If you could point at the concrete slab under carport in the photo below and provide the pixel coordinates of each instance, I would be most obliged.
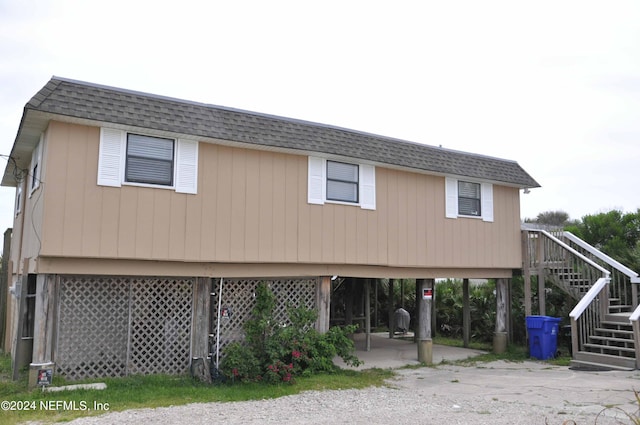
(391, 353)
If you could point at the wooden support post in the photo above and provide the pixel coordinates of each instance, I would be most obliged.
(391, 309)
(425, 343)
(201, 311)
(509, 311)
(527, 293)
(5, 278)
(44, 319)
(348, 300)
(575, 346)
(375, 302)
(433, 308)
(200, 329)
(10, 314)
(323, 301)
(541, 276)
(367, 313)
(542, 299)
(635, 326)
(500, 335)
(19, 344)
(416, 309)
(466, 313)
(526, 265)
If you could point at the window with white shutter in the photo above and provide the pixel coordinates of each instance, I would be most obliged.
(468, 199)
(137, 159)
(341, 182)
(149, 160)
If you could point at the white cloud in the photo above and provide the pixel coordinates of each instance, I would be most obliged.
(553, 85)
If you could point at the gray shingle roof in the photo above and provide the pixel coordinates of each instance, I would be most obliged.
(85, 101)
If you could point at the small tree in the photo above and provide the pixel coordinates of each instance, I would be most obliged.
(551, 218)
(615, 233)
(274, 352)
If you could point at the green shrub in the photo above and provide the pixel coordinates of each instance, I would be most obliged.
(273, 352)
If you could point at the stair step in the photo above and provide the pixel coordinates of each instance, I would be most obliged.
(618, 317)
(625, 363)
(615, 325)
(620, 309)
(593, 366)
(624, 333)
(610, 349)
(608, 340)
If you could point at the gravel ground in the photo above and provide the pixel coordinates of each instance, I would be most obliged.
(490, 393)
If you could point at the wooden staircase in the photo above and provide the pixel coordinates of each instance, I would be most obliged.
(604, 324)
(610, 347)
(572, 282)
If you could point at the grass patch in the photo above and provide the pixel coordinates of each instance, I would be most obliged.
(157, 391)
(456, 342)
(514, 353)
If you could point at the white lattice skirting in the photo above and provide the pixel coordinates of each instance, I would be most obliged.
(116, 326)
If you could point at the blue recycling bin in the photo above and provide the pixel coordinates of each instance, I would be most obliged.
(543, 336)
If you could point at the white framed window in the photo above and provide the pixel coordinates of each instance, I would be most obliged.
(341, 182)
(35, 168)
(469, 199)
(466, 198)
(149, 160)
(19, 198)
(137, 159)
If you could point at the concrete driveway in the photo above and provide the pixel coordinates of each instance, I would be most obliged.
(552, 391)
(393, 353)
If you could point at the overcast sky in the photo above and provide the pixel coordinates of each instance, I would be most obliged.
(553, 85)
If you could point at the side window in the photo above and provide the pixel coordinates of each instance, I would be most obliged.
(35, 169)
(19, 198)
(342, 182)
(149, 160)
(468, 199)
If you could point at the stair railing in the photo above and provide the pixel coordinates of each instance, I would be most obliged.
(623, 280)
(587, 315)
(635, 324)
(555, 256)
(624, 284)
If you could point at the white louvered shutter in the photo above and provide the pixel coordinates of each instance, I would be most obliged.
(487, 202)
(187, 167)
(316, 181)
(451, 197)
(368, 187)
(111, 157)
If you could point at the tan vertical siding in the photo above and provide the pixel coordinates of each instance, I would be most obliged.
(252, 206)
(293, 181)
(221, 156)
(178, 227)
